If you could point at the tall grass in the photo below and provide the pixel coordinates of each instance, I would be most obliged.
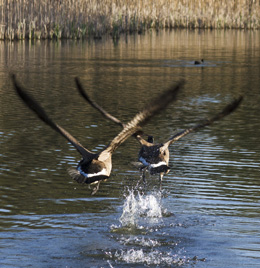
(21, 19)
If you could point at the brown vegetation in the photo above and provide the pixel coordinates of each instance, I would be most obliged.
(36, 19)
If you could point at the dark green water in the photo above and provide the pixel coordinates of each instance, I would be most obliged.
(208, 212)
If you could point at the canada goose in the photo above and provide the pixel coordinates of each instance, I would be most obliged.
(155, 157)
(95, 167)
(197, 62)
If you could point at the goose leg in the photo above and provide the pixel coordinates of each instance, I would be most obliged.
(143, 174)
(95, 189)
(161, 176)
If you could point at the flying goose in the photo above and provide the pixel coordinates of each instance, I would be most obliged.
(95, 167)
(155, 157)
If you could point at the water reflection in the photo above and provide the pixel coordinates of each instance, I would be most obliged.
(210, 200)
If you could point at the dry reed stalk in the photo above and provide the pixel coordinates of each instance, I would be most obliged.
(21, 19)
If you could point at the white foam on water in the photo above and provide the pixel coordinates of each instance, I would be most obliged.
(152, 257)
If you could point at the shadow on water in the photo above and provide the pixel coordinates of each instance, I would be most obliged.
(207, 212)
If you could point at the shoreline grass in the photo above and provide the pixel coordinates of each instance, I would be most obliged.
(76, 19)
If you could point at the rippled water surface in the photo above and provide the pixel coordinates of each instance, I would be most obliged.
(207, 211)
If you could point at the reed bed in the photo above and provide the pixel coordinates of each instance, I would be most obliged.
(34, 19)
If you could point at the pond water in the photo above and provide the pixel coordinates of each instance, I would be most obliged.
(207, 212)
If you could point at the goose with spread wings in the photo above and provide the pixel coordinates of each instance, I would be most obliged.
(95, 167)
(155, 157)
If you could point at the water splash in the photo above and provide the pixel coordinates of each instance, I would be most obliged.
(139, 208)
(140, 241)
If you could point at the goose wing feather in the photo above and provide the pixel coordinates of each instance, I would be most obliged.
(154, 107)
(228, 109)
(39, 111)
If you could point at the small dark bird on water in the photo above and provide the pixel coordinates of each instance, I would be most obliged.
(95, 167)
(197, 62)
(155, 157)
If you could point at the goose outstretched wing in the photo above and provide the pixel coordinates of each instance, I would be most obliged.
(39, 111)
(228, 109)
(95, 105)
